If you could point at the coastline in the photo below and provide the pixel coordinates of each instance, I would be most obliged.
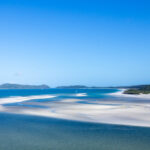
(120, 93)
(132, 114)
(110, 112)
(17, 99)
(125, 114)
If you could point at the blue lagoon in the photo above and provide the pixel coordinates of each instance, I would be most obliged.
(73, 119)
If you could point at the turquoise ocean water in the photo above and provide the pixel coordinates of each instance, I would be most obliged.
(25, 132)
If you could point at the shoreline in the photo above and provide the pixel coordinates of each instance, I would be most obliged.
(18, 99)
(134, 115)
(69, 109)
(121, 112)
(120, 93)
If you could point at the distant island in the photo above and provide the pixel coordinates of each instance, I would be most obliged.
(19, 86)
(140, 89)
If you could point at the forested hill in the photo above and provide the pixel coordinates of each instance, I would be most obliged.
(19, 86)
(140, 89)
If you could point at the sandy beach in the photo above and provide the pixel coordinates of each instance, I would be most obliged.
(124, 113)
(23, 98)
(121, 94)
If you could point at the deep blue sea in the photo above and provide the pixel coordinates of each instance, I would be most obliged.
(27, 132)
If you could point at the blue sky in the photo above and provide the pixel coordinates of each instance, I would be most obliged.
(67, 42)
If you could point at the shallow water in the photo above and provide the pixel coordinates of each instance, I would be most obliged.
(20, 132)
(86, 95)
(26, 132)
(62, 92)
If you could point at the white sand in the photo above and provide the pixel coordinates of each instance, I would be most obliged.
(81, 94)
(125, 113)
(23, 98)
(120, 93)
(70, 100)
